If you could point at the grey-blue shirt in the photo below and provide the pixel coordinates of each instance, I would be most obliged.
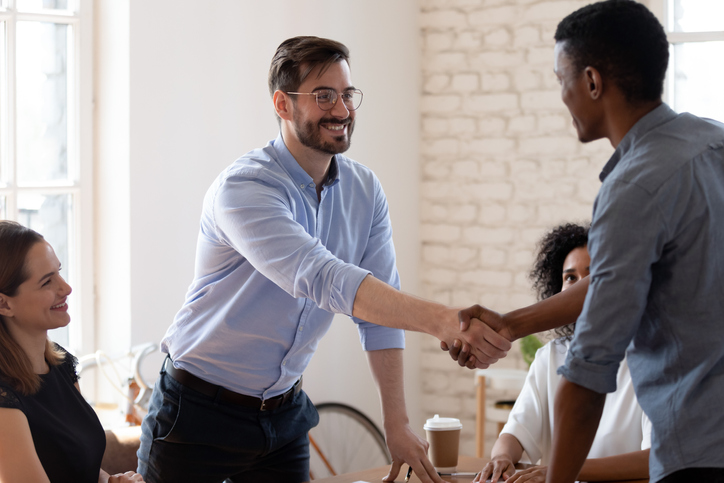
(657, 286)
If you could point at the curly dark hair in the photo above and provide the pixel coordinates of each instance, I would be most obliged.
(553, 249)
(624, 41)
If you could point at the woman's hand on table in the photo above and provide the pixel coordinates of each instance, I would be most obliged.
(499, 467)
(534, 474)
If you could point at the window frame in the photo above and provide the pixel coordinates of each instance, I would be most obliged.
(81, 333)
(663, 9)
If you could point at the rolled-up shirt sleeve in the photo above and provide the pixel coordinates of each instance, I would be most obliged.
(379, 259)
(626, 238)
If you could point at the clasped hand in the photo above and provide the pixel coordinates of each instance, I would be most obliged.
(484, 338)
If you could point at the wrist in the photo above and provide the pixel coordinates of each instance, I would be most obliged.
(502, 457)
(511, 322)
(446, 324)
(394, 424)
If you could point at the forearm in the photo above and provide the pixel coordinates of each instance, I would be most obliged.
(382, 304)
(561, 309)
(387, 371)
(507, 446)
(628, 466)
(577, 413)
(404, 445)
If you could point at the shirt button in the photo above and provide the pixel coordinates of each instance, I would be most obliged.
(311, 185)
(302, 185)
(284, 363)
(300, 329)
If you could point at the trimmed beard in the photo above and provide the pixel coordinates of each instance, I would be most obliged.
(310, 135)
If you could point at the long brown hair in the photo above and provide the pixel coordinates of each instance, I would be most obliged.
(15, 367)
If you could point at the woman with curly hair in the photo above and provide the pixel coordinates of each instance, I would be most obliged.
(551, 274)
(49, 433)
(621, 447)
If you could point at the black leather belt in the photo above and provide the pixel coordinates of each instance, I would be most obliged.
(212, 390)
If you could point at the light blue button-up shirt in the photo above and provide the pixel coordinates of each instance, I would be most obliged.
(657, 286)
(273, 264)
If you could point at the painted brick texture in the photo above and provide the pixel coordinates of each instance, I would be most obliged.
(500, 165)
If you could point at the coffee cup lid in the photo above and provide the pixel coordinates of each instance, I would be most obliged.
(437, 423)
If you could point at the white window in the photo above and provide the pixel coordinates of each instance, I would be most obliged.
(45, 137)
(695, 29)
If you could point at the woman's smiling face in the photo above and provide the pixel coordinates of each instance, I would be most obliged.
(40, 303)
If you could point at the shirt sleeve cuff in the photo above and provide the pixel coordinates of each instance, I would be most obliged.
(343, 295)
(376, 337)
(596, 377)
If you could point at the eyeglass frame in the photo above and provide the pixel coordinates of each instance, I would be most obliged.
(336, 97)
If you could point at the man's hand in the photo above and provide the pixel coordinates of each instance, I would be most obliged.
(408, 448)
(404, 445)
(496, 335)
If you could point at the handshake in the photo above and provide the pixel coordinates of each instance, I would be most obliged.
(482, 340)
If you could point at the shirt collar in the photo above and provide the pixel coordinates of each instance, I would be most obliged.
(660, 115)
(296, 171)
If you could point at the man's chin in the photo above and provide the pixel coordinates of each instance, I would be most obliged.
(340, 145)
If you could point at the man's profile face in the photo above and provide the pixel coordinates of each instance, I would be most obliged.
(330, 131)
(575, 93)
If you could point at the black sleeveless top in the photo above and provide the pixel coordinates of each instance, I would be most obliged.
(68, 436)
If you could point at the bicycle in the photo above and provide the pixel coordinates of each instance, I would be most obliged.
(132, 387)
(344, 441)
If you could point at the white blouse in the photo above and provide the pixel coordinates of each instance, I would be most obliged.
(623, 428)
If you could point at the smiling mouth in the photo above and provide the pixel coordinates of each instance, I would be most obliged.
(59, 306)
(334, 127)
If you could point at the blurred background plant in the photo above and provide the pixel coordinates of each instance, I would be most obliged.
(529, 345)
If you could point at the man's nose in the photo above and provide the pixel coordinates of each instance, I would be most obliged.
(339, 110)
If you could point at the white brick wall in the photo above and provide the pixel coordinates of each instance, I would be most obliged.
(500, 165)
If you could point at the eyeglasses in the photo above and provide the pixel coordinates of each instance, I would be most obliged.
(327, 98)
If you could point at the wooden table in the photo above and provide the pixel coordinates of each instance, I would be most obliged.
(375, 475)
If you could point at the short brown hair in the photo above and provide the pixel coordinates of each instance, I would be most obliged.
(15, 367)
(295, 58)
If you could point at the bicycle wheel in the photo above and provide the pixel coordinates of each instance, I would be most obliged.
(348, 441)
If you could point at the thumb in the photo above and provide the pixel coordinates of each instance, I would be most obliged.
(465, 315)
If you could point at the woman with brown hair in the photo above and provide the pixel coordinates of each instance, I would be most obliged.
(49, 432)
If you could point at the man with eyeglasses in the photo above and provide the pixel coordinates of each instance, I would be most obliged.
(290, 234)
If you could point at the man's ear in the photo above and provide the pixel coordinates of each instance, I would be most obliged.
(594, 81)
(282, 105)
(5, 308)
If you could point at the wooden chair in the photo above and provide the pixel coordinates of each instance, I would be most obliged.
(511, 380)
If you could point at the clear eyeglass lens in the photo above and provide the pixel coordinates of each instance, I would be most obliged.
(326, 98)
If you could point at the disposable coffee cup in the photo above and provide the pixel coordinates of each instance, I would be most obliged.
(443, 434)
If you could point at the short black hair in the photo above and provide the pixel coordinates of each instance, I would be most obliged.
(547, 273)
(624, 41)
